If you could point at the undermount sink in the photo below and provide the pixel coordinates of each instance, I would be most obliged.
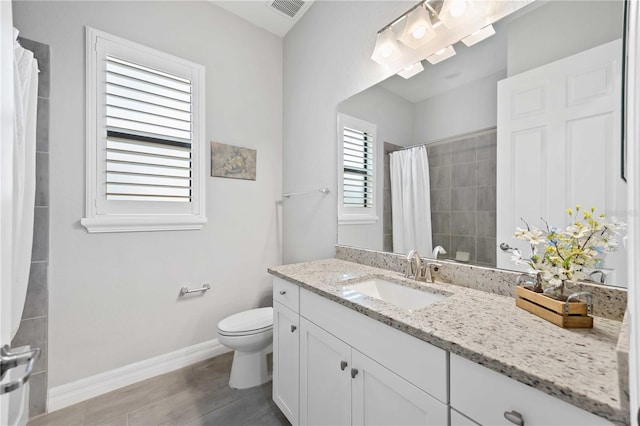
(390, 292)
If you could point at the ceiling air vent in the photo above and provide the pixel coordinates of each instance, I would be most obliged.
(288, 8)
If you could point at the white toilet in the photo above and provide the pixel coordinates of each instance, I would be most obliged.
(250, 335)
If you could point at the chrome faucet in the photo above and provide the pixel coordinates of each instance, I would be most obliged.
(438, 250)
(418, 269)
(603, 276)
(414, 265)
(428, 269)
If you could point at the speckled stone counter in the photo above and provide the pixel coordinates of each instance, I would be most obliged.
(577, 366)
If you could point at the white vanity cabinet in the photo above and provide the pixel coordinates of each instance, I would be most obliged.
(325, 381)
(484, 396)
(286, 344)
(340, 385)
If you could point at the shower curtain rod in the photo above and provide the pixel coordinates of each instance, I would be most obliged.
(450, 139)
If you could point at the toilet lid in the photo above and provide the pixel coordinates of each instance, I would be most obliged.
(248, 321)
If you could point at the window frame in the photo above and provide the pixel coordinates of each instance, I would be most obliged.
(356, 215)
(104, 215)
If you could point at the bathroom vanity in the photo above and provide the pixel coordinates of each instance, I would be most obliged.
(472, 357)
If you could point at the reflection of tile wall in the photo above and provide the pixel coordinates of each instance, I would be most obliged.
(33, 327)
(387, 227)
(463, 196)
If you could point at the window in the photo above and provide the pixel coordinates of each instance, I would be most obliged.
(145, 138)
(356, 180)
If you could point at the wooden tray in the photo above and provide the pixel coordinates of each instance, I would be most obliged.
(553, 310)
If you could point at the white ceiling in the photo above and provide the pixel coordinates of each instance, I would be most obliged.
(260, 14)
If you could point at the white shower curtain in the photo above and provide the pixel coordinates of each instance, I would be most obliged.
(25, 72)
(411, 201)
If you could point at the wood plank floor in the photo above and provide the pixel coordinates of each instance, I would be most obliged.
(195, 395)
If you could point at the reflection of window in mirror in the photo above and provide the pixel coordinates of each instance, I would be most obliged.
(357, 174)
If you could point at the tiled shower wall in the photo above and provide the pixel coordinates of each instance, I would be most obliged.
(463, 196)
(33, 327)
(387, 219)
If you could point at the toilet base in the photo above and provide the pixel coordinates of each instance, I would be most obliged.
(249, 369)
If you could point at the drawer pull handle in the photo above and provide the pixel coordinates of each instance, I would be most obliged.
(293, 328)
(343, 365)
(282, 292)
(354, 373)
(514, 417)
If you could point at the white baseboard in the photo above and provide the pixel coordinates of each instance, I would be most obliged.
(90, 387)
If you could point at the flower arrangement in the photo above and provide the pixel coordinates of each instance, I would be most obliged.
(558, 256)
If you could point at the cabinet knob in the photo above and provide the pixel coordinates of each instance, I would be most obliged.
(354, 373)
(282, 292)
(514, 417)
(343, 365)
(293, 328)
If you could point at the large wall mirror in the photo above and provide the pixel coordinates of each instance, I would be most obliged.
(523, 124)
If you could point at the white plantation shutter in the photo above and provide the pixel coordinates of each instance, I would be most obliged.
(357, 180)
(145, 130)
(148, 121)
(358, 162)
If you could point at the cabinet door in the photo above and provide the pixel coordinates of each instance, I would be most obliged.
(380, 397)
(458, 419)
(286, 361)
(325, 381)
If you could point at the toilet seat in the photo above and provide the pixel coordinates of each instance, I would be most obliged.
(249, 322)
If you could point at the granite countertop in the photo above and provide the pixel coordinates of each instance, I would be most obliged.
(577, 366)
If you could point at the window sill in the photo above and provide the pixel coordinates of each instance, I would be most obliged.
(346, 220)
(141, 223)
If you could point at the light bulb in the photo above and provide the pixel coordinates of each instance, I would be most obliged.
(419, 32)
(386, 51)
(457, 8)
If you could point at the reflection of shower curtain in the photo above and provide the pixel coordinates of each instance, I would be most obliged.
(25, 74)
(411, 201)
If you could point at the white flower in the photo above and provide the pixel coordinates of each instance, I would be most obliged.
(535, 237)
(577, 232)
(517, 257)
(554, 278)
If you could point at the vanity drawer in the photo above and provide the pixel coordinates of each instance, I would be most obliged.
(485, 395)
(286, 293)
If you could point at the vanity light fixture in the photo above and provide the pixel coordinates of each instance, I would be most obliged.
(454, 12)
(386, 49)
(418, 29)
(431, 24)
(479, 35)
(441, 55)
(411, 70)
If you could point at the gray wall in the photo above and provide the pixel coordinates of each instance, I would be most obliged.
(561, 28)
(387, 214)
(393, 117)
(463, 110)
(463, 196)
(33, 326)
(114, 297)
(326, 60)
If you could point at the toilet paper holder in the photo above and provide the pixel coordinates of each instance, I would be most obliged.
(186, 290)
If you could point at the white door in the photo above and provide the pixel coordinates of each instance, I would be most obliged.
(286, 361)
(559, 144)
(380, 397)
(325, 380)
(6, 182)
